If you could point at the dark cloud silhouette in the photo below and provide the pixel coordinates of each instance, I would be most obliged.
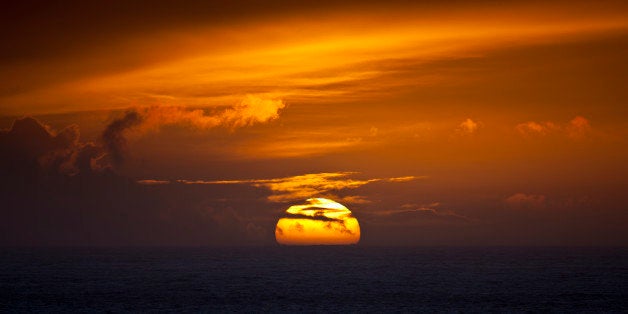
(56, 191)
(30, 149)
(339, 226)
(114, 139)
(316, 217)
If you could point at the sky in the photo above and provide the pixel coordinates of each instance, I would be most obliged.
(481, 123)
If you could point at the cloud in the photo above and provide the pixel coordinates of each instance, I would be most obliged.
(351, 199)
(52, 194)
(468, 127)
(402, 179)
(532, 128)
(229, 217)
(30, 147)
(251, 110)
(153, 182)
(327, 56)
(318, 217)
(296, 145)
(427, 211)
(576, 129)
(113, 137)
(373, 131)
(55, 191)
(308, 185)
(525, 201)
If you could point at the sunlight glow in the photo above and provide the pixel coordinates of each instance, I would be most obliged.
(318, 222)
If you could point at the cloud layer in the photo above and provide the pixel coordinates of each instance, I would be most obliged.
(305, 186)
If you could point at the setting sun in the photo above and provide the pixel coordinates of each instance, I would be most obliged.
(318, 222)
(216, 156)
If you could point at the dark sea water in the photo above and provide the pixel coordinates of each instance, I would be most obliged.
(314, 279)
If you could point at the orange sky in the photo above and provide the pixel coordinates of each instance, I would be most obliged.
(506, 119)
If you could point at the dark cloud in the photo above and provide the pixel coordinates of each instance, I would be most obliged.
(30, 149)
(114, 139)
(339, 226)
(319, 217)
(55, 191)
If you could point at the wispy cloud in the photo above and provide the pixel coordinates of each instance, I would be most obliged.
(468, 127)
(305, 186)
(429, 210)
(577, 128)
(532, 128)
(343, 55)
(525, 201)
(299, 146)
(352, 199)
(153, 182)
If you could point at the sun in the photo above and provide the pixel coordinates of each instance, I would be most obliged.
(319, 221)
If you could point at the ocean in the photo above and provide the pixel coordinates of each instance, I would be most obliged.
(314, 279)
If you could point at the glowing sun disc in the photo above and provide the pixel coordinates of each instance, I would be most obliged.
(319, 221)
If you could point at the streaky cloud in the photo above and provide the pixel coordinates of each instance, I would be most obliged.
(305, 186)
